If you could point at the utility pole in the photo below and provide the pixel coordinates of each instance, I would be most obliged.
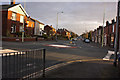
(103, 28)
(116, 36)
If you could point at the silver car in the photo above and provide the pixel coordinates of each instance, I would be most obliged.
(87, 41)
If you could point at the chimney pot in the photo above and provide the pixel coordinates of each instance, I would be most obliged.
(12, 2)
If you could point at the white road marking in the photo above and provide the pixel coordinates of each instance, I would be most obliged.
(109, 54)
(59, 45)
(5, 51)
(80, 47)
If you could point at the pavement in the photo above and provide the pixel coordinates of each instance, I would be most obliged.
(86, 69)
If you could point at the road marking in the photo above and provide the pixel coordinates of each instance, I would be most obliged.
(109, 54)
(60, 46)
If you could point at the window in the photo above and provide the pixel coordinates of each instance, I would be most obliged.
(31, 25)
(21, 19)
(27, 23)
(113, 28)
(21, 28)
(13, 16)
(13, 28)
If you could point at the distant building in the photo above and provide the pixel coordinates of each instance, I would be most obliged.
(39, 28)
(100, 34)
(64, 32)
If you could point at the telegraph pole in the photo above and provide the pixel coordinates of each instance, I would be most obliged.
(116, 36)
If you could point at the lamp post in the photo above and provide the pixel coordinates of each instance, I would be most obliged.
(23, 31)
(103, 28)
(57, 24)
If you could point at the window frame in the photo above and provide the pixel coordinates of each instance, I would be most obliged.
(21, 20)
(13, 28)
(14, 17)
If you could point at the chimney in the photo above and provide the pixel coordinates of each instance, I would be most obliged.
(107, 23)
(113, 21)
(12, 2)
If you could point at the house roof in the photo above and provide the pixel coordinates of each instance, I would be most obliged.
(6, 7)
(49, 26)
(37, 21)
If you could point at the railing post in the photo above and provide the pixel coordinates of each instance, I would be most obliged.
(43, 63)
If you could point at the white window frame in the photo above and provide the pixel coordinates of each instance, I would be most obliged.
(21, 19)
(13, 28)
(14, 16)
(113, 28)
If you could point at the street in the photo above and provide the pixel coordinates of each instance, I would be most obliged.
(55, 55)
(82, 51)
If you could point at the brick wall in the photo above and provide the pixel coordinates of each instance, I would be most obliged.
(4, 22)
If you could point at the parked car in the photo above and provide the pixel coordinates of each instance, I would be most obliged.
(75, 39)
(87, 41)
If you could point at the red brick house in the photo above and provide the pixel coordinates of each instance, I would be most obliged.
(112, 28)
(65, 33)
(29, 28)
(50, 31)
(100, 34)
(93, 36)
(13, 16)
(106, 32)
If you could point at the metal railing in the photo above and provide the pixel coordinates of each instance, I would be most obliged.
(23, 65)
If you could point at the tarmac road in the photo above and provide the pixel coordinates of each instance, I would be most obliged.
(56, 55)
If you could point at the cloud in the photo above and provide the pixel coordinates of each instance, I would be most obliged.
(89, 22)
(77, 16)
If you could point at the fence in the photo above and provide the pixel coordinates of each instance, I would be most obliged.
(23, 65)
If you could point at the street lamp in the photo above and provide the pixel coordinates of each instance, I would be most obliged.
(57, 24)
(23, 32)
(103, 28)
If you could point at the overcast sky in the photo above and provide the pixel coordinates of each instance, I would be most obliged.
(77, 17)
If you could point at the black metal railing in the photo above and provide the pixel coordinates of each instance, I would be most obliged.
(24, 64)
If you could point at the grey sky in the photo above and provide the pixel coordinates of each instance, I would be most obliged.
(77, 16)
